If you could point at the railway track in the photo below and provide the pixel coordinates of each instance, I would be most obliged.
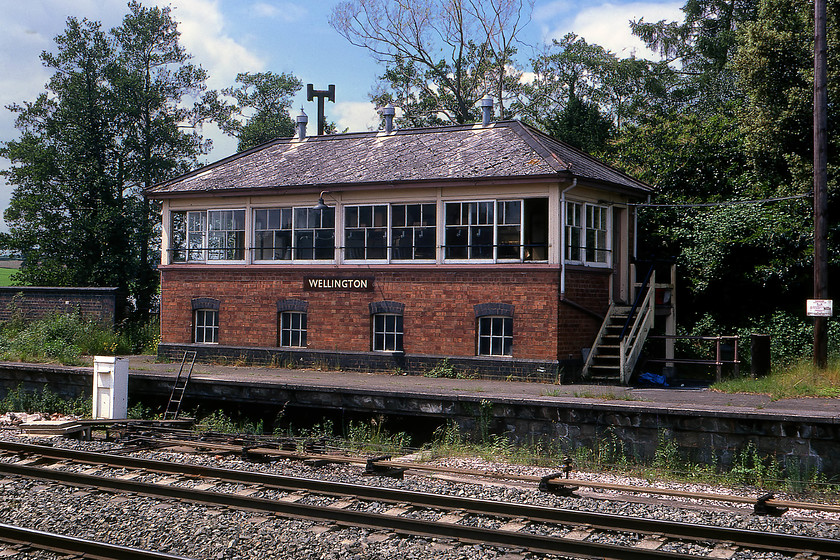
(511, 525)
(21, 539)
(560, 483)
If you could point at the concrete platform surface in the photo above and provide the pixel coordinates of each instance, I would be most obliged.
(679, 398)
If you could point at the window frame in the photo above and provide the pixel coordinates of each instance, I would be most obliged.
(300, 331)
(578, 223)
(505, 337)
(415, 231)
(203, 327)
(196, 241)
(366, 230)
(396, 334)
(294, 232)
(496, 223)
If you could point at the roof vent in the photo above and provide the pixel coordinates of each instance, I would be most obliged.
(486, 105)
(388, 112)
(301, 119)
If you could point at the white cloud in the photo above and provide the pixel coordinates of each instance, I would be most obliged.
(202, 28)
(355, 116)
(607, 24)
(286, 11)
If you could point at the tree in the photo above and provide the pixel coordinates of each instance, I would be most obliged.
(441, 56)
(153, 75)
(66, 171)
(267, 97)
(112, 123)
(591, 90)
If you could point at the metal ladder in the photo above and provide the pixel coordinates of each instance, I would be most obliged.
(174, 404)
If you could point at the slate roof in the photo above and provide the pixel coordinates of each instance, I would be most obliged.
(501, 150)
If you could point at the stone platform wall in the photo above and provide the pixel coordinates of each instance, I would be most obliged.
(801, 442)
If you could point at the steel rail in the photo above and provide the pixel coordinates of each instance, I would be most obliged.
(268, 452)
(64, 544)
(353, 518)
(540, 514)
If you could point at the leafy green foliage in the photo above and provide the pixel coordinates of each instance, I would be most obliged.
(45, 402)
(220, 422)
(112, 122)
(266, 97)
(71, 339)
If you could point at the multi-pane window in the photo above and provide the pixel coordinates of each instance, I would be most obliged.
(495, 336)
(413, 231)
(586, 233)
(282, 234)
(366, 232)
(273, 234)
(387, 332)
(206, 326)
(574, 245)
(596, 234)
(216, 235)
(293, 328)
(509, 230)
(226, 235)
(469, 230)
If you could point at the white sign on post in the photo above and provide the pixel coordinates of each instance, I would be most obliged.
(820, 307)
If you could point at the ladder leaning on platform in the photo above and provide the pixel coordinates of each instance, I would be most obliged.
(173, 407)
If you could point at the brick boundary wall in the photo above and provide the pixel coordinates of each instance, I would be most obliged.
(37, 302)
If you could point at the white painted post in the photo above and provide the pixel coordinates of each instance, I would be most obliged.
(110, 387)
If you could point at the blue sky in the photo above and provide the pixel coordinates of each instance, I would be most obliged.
(231, 36)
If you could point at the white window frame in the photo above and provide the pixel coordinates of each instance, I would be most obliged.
(196, 241)
(493, 322)
(414, 229)
(387, 227)
(495, 224)
(300, 331)
(579, 216)
(201, 326)
(395, 335)
(295, 229)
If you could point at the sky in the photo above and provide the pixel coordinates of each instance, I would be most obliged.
(294, 36)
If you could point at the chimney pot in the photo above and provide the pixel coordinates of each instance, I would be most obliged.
(301, 119)
(388, 112)
(486, 105)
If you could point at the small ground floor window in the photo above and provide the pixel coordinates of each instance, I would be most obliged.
(293, 328)
(206, 326)
(387, 332)
(495, 336)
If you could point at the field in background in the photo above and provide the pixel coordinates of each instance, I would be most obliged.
(6, 276)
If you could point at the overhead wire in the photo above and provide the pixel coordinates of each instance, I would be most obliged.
(719, 204)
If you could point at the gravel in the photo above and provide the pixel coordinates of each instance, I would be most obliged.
(213, 533)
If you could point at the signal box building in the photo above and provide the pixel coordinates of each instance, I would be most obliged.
(491, 246)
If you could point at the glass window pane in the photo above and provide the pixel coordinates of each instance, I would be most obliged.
(398, 215)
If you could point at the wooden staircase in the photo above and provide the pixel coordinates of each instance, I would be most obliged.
(619, 343)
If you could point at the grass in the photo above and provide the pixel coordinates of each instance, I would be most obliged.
(7, 276)
(798, 380)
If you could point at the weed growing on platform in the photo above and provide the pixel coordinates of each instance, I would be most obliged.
(800, 379)
(45, 402)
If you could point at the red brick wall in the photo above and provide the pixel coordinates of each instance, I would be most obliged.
(439, 318)
(588, 288)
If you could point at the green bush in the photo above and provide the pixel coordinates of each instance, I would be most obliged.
(66, 338)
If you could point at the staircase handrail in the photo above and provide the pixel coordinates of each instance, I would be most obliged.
(637, 335)
(594, 349)
(639, 295)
